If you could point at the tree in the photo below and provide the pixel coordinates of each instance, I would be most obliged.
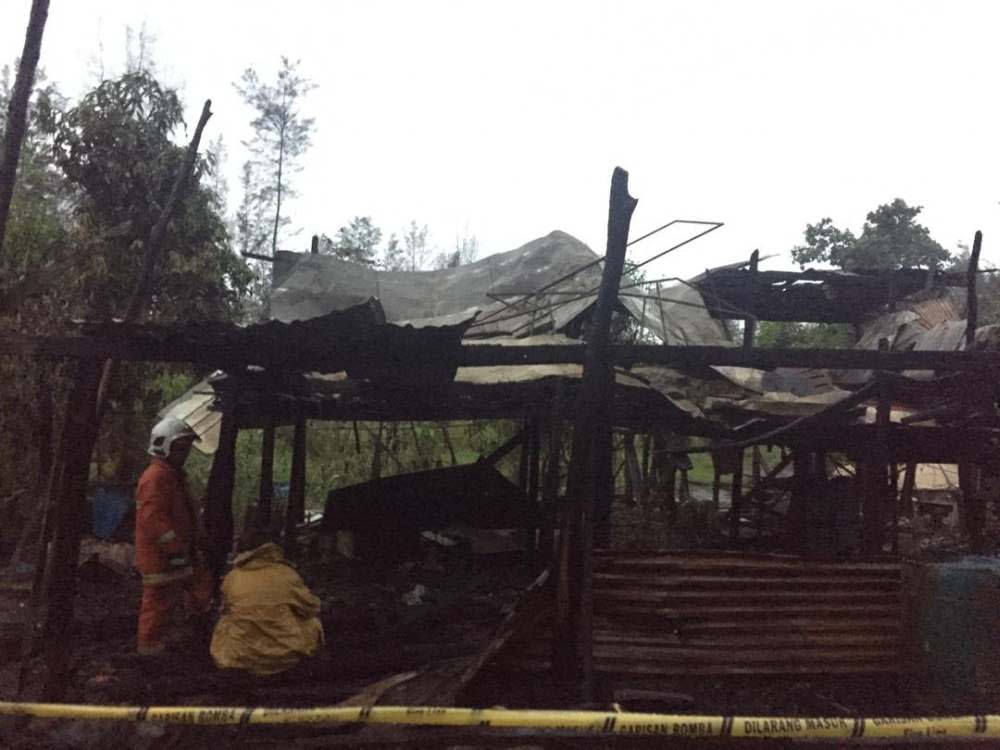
(415, 248)
(391, 258)
(281, 135)
(15, 122)
(773, 334)
(465, 252)
(358, 241)
(114, 149)
(890, 238)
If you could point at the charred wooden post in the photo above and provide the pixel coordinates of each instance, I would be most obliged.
(798, 509)
(219, 494)
(716, 486)
(68, 507)
(265, 496)
(523, 462)
(750, 324)
(633, 475)
(535, 465)
(736, 500)
(376, 472)
(524, 479)
(894, 495)
(666, 473)
(973, 510)
(875, 477)
(906, 493)
(602, 462)
(574, 625)
(553, 479)
(972, 301)
(295, 512)
(644, 466)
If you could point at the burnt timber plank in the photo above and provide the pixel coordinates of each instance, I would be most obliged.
(491, 355)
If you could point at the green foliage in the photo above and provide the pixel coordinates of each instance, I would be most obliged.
(92, 182)
(336, 456)
(781, 335)
(415, 249)
(466, 251)
(891, 238)
(281, 135)
(358, 241)
(115, 151)
(987, 286)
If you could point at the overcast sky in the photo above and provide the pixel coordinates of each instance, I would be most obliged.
(505, 119)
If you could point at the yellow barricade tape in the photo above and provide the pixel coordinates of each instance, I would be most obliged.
(586, 722)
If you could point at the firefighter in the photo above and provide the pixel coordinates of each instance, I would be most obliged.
(166, 538)
(270, 619)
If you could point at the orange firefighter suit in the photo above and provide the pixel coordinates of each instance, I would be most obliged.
(270, 619)
(166, 552)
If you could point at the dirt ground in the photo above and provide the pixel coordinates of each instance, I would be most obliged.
(380, 619)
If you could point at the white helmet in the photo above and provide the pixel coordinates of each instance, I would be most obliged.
(165, 432)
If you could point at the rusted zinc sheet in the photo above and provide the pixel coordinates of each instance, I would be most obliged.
(733, 614)
(357, 340)
(544, 286)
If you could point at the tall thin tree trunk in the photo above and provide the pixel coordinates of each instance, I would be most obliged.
(277, 201)
(17, 110)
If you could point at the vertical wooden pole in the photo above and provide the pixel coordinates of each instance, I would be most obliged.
(736, 500)
(602, 461)
(750, 324)
(553, 478)
(376, 472)
(574, 633)
(534, 458)
(798, 509)
(876, 479)
(972, 301)
(295, 512)
(265, 497)
(523, 482)
(906, 494)
(644, 467)
(972, 505)
(634, 473)
(219, 493)
(524, 458)
(68, 505)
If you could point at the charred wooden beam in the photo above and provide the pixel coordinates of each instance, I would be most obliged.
(736, 500)
(972, 301)
(506, 448)
(750, 324)
(148, 349)
(591, 425)
(68, 505)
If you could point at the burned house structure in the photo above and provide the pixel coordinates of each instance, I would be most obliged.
(527, 335)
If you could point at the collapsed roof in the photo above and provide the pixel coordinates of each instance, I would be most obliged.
(545, 286)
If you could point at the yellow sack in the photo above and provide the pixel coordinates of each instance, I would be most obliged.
(269, 616)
